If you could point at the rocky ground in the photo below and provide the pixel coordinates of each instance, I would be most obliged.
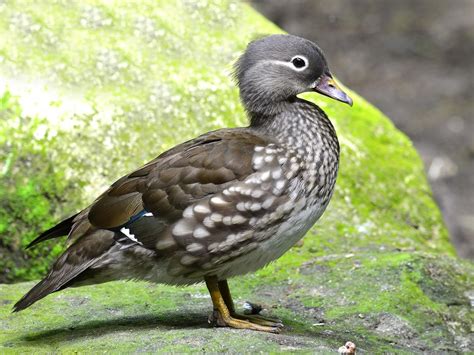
(417, 307)
(413, 60)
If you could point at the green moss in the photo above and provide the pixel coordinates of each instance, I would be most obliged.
(30, 189)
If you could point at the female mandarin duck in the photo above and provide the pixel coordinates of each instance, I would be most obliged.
(223, 204)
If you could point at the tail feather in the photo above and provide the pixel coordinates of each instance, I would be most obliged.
(53, 282)
(35, 294)
(58, 230)
(79, 257)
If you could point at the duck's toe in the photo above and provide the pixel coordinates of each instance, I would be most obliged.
(238, 321)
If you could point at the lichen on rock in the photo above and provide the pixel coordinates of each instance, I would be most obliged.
(91, 90)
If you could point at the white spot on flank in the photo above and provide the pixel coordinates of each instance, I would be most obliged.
(188, 259)
(188, 212)
(238, 219)
(255, 207)
(257, 194)
(265, 175)
(269, 158)
(258, 161)
(193, 247)
(231, 238)
(246, 191)
(216, 217)
(201, 209)
(183, 227)
(148, 214)
(201, 232)
(276, 174)
(213, 246)
(208, 222)
(280, 184)
(218, 200)
(244, 236)
(253, 179)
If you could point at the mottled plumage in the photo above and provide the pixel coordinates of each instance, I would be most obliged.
(223, 204)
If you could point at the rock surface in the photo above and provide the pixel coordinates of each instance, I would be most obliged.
(92, 90)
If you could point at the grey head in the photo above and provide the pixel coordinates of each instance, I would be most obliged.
(275, 69)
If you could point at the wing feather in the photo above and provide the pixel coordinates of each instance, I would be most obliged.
(177, 178)
(168, 184)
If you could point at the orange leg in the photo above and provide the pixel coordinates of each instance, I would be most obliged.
(224, 314)
(225, 292)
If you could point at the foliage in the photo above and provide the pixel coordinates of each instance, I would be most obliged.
(30, 191)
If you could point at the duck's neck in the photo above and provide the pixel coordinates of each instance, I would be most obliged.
(259, 102)
(299, 123)
(262, 115)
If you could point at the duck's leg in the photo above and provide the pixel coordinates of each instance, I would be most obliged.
(254, 318)
(222, 315)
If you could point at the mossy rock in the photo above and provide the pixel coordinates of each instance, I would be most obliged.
(93, 89)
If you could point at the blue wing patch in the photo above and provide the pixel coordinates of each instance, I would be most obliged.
(136, 217)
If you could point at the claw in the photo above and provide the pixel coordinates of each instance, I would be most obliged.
(225, 316)
(258, 319)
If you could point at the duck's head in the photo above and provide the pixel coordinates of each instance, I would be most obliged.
(277, 68)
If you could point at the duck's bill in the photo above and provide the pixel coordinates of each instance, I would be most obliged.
(328, 87)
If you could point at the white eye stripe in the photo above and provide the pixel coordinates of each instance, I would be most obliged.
(290, 64)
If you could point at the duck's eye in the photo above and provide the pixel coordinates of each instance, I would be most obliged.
(298, 62)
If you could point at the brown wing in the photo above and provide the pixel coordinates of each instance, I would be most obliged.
(177, 178)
